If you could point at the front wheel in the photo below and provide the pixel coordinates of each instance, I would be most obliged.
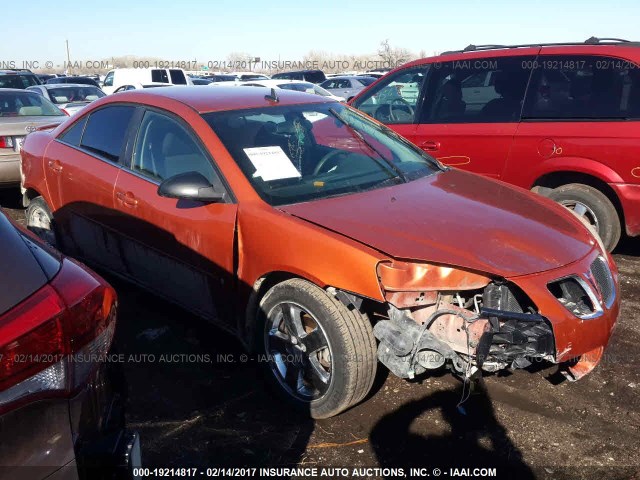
(318, 354)
(40, 220)
(594, 208)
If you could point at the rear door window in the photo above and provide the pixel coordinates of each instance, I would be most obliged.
(105, 132)
(574, 87)
(178, 77)
(159, 75)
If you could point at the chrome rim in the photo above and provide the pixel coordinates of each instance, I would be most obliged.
(583, 211)
(298, 351)
(39, 222)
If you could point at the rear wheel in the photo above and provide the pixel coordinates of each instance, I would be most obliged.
(40, 220)
(594, 208)
(319, 355)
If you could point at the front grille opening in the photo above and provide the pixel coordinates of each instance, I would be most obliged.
(602, 275)
(573, 296)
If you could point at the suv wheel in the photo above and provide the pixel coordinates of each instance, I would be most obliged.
(319, 355)
(40, 220)
(592, 206)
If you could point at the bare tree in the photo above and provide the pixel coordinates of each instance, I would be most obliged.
(393, 56)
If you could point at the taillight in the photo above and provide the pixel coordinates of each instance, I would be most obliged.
(52, 342)
(6, 142)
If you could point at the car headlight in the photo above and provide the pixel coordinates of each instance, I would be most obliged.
(398, 276)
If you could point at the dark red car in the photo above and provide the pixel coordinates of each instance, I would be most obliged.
(60, 414)
(562, 120)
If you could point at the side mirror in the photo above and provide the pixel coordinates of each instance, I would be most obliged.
(190, 186)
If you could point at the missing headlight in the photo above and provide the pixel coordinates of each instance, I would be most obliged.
(576, 296)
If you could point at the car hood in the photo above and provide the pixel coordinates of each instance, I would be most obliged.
(17, 126)
(457, 218)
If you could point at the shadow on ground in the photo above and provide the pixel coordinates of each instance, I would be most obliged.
(194, 397)
(473, 437)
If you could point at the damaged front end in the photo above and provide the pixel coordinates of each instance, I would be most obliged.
(441, 316)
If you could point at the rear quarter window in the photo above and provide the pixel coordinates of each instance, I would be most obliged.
(73, 135)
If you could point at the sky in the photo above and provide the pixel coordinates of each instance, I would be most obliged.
(209, 30)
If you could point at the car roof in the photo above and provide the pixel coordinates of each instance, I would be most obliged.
(591, 46)
(299, 71)
(20, 90)
(15, 72)
(273, 82)
(222, 98)
(65, 85)
(347, 77)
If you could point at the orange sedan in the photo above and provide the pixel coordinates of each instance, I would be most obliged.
(309, 231)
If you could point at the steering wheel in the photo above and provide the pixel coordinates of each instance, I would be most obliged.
(324, 160)
(403, 103)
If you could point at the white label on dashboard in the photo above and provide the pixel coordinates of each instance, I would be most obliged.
(271, 163)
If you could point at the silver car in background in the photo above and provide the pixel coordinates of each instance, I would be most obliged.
(347, 86)
(69, 97)
(21, 112)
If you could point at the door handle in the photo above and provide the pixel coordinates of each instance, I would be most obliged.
(55, 165)
(430, 146)
(128, 199)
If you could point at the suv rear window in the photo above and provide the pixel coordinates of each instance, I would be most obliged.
(314, 76)
(17, 80)
(583, 87)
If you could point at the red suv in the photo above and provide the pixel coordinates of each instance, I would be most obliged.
(559, 119)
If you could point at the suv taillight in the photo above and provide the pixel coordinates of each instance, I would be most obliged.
(53, 341)
(6, 142)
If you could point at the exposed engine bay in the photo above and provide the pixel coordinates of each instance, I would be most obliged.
(483, 329)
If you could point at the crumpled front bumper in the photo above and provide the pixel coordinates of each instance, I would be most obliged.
(579, 342)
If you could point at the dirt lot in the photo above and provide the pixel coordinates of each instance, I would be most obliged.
(198, 402)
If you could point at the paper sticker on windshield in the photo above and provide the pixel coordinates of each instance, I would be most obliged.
(271, 163)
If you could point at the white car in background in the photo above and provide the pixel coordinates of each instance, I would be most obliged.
(297, 85)
(69, 97)
(144, 76)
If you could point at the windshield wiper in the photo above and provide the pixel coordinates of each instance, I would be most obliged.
(385, 163)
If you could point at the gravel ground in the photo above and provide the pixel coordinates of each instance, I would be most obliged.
(197, 402)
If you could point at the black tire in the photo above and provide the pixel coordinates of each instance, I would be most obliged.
(351, 346)
(40, 220)
(601, 213)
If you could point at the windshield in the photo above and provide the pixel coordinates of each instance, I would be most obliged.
(296, 153)
(62, 95)
(23, 104)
